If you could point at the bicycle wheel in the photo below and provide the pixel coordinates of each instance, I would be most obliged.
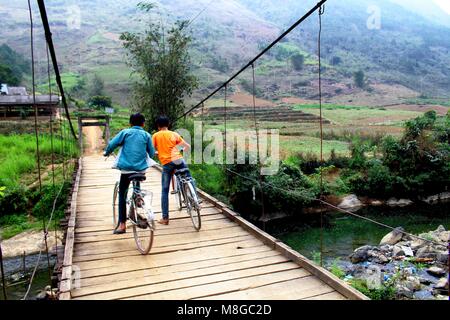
(115, 205)
(143, 231)
(192, 205)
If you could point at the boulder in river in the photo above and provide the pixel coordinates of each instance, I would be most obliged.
(442, 284)
(393, 202)
(393, 237)
(361, 254)
(438, 198)
(351, 203)
(436, 271)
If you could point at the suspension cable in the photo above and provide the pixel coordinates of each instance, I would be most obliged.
(319, 45)
(51, 117)
(283, 35)
(258, 156)
(33, 80)
(2, 271)
(48, 36)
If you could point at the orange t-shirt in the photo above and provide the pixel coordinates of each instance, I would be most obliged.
(165, 142)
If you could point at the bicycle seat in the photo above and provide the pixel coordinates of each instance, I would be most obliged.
(138, 177)
(181, 171)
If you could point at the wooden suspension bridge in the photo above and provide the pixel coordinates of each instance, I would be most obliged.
(228, 259)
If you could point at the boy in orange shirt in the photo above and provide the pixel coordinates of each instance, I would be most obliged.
(166, 143)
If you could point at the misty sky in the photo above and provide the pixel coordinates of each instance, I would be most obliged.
(444, 4)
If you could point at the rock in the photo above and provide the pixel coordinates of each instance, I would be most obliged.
(423, 295)
(442, 257)
(361, 254)
(351, 203)
(407, 251)
(442, 284)
(444, 236)
(403, 292)
(386, 248)
(376, 203)
(426, 252)
(42, 295)
(440, 229)
(398, 251)
(28, 241)
(436, 271)
(393, 202)
(417, 244)
(438, 198)
(392, 237)
(412, 283)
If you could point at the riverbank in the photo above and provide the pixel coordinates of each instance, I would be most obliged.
(343, 234)
(401, 267)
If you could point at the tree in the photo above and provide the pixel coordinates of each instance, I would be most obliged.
(360, 79)
(298, 60)
(97, 86)
(100, 102)
(7, 76)
(162, 62)
(12, 66)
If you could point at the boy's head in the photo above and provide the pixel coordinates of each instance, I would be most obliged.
(162, 122)
(137, 120)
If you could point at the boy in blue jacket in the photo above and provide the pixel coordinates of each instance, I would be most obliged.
(136, 143)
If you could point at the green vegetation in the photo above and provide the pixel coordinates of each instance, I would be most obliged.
(18, 156)
(360, 79)
(386, 292)
(22, 204)
(417, 165)
(298, 60)
(360, 116)
(162, 63)
(13, 66)
(100, 102)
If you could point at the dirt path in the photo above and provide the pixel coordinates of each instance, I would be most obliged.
(94, 143)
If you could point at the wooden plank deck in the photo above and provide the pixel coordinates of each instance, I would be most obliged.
(228, 259)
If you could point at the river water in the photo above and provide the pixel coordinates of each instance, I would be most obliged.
(342, 233)
(17, 277)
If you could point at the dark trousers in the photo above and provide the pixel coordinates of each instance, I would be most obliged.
(123, 192)
(168, 171)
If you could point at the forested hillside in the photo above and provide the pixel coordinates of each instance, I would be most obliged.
(406, 57)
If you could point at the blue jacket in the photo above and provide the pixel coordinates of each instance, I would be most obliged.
(136, 143)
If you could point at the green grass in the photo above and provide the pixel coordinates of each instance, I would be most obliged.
(97, 38)
(18, 156)
(13, 225)
(355, 115)
(429, 101)
(114, 73)
(305, 144)
(68, 79)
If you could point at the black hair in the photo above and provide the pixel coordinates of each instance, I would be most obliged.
(162, 122)
(137, 120)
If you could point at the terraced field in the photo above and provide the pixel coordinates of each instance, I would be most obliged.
(280, 113)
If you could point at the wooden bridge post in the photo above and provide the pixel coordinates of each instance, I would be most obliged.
(80, 134)
(107, 131)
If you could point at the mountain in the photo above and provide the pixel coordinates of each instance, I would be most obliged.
(406, 56)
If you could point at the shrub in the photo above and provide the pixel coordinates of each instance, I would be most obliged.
(359, 78)
(44, 201)
(298, 61)
(14, 201)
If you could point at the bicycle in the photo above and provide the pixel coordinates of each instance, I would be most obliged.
(187, 197)
(139, 213)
